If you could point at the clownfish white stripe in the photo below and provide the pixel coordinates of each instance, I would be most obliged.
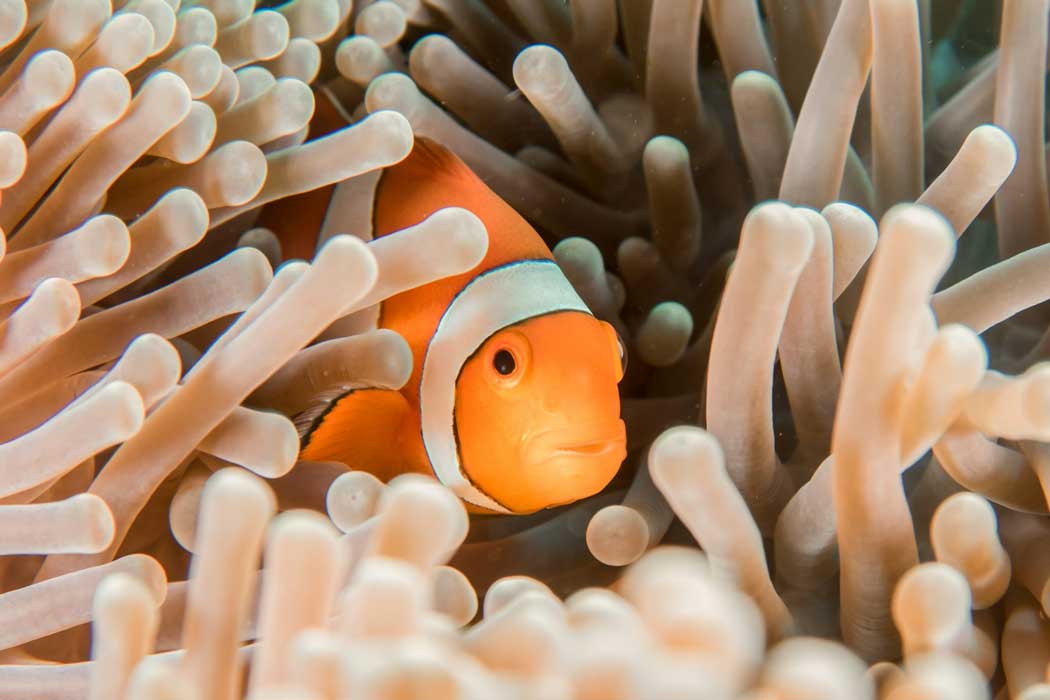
(495, 299)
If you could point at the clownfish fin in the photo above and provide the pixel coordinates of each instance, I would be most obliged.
(360, 428)
(430, 159)
(320, 404)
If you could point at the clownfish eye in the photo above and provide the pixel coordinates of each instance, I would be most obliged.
(503, 362)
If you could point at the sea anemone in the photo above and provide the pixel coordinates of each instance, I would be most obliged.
(838, 406)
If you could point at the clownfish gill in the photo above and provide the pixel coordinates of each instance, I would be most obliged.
(512, 401)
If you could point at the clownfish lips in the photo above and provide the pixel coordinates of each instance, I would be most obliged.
(589, 442)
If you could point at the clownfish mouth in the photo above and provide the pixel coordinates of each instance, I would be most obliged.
(577, 442)
(594, 448)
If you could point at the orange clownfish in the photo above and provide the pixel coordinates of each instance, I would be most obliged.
(512, 402)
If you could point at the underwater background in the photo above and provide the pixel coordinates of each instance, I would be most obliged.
(821, 230)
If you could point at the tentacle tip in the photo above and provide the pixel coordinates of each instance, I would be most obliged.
(617, 535)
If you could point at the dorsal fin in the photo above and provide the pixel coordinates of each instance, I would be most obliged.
(432, 160)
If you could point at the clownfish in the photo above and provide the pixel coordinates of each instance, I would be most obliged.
(512, 402)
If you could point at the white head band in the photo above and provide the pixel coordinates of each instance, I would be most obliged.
(492, 301)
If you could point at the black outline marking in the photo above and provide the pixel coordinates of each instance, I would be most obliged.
(430, 341)
(426, 355)
(372, 214)
(455, 423)
(304, 441)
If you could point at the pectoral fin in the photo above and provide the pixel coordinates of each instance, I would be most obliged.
(361, 428)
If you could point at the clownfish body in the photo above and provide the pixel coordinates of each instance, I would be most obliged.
(512, 401)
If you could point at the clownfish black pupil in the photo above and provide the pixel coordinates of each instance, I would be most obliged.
(504, 363)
